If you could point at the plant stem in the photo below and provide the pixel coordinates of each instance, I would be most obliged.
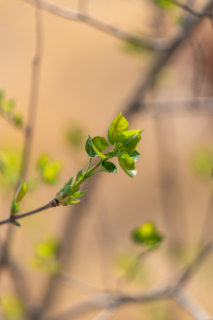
(51, 204)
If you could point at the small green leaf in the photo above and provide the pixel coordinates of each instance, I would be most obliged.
(68, 190)
(130, 139)
(108, 166)
(47, 249)
(134, 155)
(18, 120)
(89, 149)
(118, 125)
(16, 223)
(70, 181)
(164, 4)
(20, 193)
(51, 171)
(99, 144)
(8, 106)
(147, 235)
(14, 207)
(70, 200)
(79, 175)
(78, 194)
(63, 187)
(43, 160)
(127, 163)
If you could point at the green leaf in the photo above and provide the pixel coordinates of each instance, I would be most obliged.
(89, 149)
(8, 106)
(51, 171)
(202, 162)
(99, 144)
(47, 249)
(16, 223)
(134, 155)
(14, 207)
(118, 125)
(164, 4)
(147, 235)
(20, 193)
(70, 181)
(108, 166)
(130, 139)
(18, 120)
(68, 190)
(79, 175)
(127, 163)
(42, 161)
(70, 200)
(78, 194)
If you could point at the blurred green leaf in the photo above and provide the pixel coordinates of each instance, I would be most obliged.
(147, 235)
(20, 193)
(16, 223)
(127, 163)
(12, 308)
(99, 144)
(164, 4)
(108, 166)
(117, 126)
(202, 162)
(18, 119)
(74, 135)
(78, 194)
(14, 207)
(89, 148)
(49, 169)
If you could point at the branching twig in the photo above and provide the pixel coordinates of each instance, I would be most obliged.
(152, 44)
(192, 11)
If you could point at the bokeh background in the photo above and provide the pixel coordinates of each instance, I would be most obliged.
(87, 78)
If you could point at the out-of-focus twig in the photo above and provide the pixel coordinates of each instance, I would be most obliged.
(190, 305)
(192, 11)
(149, 43)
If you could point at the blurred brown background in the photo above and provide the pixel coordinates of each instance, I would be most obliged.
(87, 77)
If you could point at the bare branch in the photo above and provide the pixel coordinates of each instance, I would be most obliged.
(191, 11)
(64, 12)
(11, 219)
(190, 305)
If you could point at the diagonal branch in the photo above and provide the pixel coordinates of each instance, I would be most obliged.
(190, 305)
(67, 13)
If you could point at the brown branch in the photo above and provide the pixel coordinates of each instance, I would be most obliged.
(190, 305)
(11, 219)
(64, 12)
(191, 11)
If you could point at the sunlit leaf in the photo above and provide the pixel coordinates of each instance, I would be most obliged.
(20, 193)
(127, 163)
(130, 139)
(99, 144)
(118, 125)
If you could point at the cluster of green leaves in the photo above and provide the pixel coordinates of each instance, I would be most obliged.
(7, 110)
(147, 235)
(49, 169)
(46, 257)
(15, 206)
(125, 142)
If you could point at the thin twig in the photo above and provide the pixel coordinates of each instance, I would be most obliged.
(191, 11)
(11, 219)
(67, 13)
(190, 305)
